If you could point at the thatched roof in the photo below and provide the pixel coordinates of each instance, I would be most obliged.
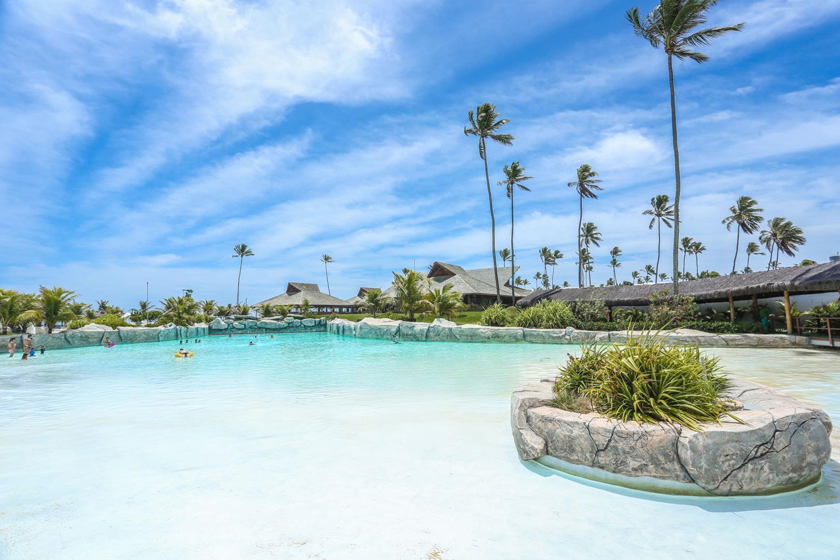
(478, 281)
(799, 279)
(296, 292)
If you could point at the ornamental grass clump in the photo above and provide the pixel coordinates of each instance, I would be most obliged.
(546, 314)
(645, 380)
(495, 316)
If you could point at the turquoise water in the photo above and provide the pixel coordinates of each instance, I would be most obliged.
(317, 446)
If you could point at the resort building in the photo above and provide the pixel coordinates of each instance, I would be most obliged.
(476, 286)
(298, 292)
(359, 298)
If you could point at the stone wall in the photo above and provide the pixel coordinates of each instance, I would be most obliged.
(94, 335)
(261, 326)
(779, 444)
(442, 330)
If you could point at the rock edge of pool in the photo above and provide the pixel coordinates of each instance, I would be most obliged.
(780, 445)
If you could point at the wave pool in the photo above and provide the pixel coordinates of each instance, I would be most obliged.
(318, 446)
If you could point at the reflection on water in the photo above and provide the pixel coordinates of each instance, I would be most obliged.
(314, 446)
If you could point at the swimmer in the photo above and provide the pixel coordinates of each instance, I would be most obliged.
(183, 353)
(12, 347)
(251, 343)
(27, 344)
(107, 342)
(43, 349)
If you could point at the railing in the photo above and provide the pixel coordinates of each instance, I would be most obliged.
(820, 329)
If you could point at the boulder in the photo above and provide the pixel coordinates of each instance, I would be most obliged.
(308, 322)
(131, 335)
(238, 325)
(289, 320)
(546, 336)
(377, 328)
(93, 327)
(270, 325)
(477, 333)
(251, 324)
(414, 331)
(218, 325)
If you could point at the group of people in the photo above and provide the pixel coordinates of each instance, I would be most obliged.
(28, 348)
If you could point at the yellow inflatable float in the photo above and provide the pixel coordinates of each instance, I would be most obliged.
(178, 355)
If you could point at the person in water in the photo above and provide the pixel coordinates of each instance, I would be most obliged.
(27, 344)
(107, 342)
(251, 343)
(183, 353)
(12, 347)
(43, 349)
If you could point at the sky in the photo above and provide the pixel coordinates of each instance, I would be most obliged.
(141, 140)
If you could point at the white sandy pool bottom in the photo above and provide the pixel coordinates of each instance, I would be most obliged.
(311, 446)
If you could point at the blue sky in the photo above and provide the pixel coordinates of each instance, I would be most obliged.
(142, 140)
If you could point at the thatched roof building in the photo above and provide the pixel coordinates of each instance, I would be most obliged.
(784, 282)
(477, 286)
(771, 283)
(296, 292)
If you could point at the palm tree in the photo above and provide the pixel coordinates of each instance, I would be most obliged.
(375, 301)
(224, 310)
(784, 235)
(410, 293)
(697, 248)
(102, 306)
(505, 254)
(662, 212)
(514, 178)
(585, 261)
(745, 216)
(672, 24)
(53, 306)
(266, 310)
(635, 276)
(485, 123)
(143, 308)
(663, 276)
(556, 255)
(16, 309)
(650, 271)
(590, 235)
(686, 243)
(615, 252)
(444, 302)
(242, 250)
(753, 248)
(208, 307)
(546, 257)
(326, 259)
(180, 310)
(585, 185)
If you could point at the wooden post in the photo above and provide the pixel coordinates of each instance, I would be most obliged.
(755, 308)
(828, 327)
(731, 310)
(788, 319)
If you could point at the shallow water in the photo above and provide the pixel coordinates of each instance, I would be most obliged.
(316, 446)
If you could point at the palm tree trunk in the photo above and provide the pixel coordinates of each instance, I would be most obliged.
(512, 251)
(615, 280)
(580, 259)
(697, 264)
(658, 247)
(493, 225)
(737, 243)
(770, 262)
(239, 279)
(676, 173)
(327, 274)
(685, 254)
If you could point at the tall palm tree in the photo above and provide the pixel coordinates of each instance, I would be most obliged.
(673, 25)
(241, 251)
(514, 178)
(556, 255)
(485, 123)
(745, 217)
(662, 212)
(635, 276)
(505, 254)
(785, 236)
(686, 243)
(545, 257)
(326, 259)
(697, 248)
(586, 184)
(650, 271)
(585, 261)
(590, 235)
(615, 252)
(753, 248)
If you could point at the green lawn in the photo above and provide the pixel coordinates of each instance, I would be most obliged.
(464, 317)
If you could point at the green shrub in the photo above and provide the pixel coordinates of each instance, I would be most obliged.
(546, 314)
(667, 310)
(495, 316)
(78, 324)
(631, 315)
(645, 380)
(589, 310)
(111, 320)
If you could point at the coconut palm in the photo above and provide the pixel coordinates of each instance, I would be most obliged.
(590, 235)
(53, 306)
(585, 261)
(326, 259)
(784, 236)
(375, 301)
(662, 212)
(697, 248)
(514, 179)
(673, 25)
(224, 310)
(410, 293)
(745, 217)
(686, 243)
(208, 307)
(753, 248)
(265, 310)
(142, 310)
(16, 309)
(585, 185)
(102, 306)
(807, 262)
(635, 276)
(241, 251)
(444, 302)
(546, 256)
(505, 254)
(180, 310)
(556, 255)
(650, 272)
(615, 252)
(485, 123)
